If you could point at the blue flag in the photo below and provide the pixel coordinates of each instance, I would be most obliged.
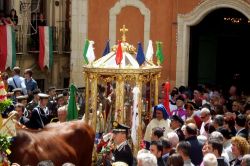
(107, 49)
(140, 57)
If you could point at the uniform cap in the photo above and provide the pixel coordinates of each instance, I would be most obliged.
(22, 97)
(120, 127)
(17, 90)
(59, 96)
(43, 95)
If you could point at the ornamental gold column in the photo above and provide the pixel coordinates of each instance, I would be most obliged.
(93, 78)
(139, 79)
(150, 96)
(86, 98)
(156, 88)
(119, 105)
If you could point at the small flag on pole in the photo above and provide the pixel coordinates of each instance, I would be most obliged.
(85, 49)
(150, 51)
(159, 53)
(107, 49)
(118, 57)
(72, 108)
(140, 57)
(90, 53)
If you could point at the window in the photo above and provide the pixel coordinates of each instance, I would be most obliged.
(40, 84)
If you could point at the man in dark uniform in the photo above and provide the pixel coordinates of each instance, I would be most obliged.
(33, 103)
(16, 92)
(52, 104)
(23, 100)
(122, 152)
(40, 114)
(60, 101)
(19, 108)
(176, 124)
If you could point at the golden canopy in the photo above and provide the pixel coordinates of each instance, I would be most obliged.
(105, 70)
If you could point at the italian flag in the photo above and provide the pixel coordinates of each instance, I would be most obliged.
(7, 47)
(45, 47)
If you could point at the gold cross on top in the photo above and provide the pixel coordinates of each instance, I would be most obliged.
(123, 30)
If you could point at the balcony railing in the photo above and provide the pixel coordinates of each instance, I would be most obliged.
(33, 41)
(30, 42)
(65, 32)
(19, 39)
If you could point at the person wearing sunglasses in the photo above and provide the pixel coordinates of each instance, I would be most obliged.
(205, 116)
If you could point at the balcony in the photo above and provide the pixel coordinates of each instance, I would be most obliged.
(29, 42)
(33, 42)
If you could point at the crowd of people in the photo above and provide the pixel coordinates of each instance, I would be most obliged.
(204, 126)
(35, 108)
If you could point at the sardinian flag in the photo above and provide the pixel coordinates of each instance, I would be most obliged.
(45, 47)
(7, 47)
(135, 120)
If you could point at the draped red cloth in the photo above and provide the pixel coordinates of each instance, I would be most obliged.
(166, 99)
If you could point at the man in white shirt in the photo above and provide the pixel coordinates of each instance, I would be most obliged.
(17, 81)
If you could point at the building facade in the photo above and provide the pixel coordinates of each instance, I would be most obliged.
(57, 15)
(168, 21)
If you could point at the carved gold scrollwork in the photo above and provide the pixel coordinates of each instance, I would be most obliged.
(87, 97)
(107, 78)
(93, 78)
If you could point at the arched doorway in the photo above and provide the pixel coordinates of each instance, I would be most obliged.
(186, 21)
(219, 48)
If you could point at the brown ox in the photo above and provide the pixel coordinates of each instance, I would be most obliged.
(59, 142)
